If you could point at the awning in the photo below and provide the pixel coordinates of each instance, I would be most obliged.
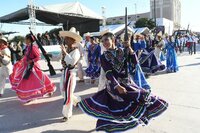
(69, 14)
(143, 30)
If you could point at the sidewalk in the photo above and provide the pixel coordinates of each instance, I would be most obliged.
(180, 89)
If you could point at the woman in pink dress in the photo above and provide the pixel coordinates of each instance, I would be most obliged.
(27, 79)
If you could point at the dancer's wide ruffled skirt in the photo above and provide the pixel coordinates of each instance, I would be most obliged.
(116, 112)
(150, 63)
(93, 71)
(36, 86)
(138, 77)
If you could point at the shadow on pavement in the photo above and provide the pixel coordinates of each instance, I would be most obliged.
(83, 86)
(18, 117)
(158, 73)
(195, 64)
(15, 116)
(69, 131)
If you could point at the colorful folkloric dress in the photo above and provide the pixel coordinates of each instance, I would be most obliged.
(135, 70)
(137, 74)
(148, 60)
(120, 112)
(171, 57)
(162, 56)
(68, 81)
(94, 53)
(85, 49)
(138, 46)
(38, 84)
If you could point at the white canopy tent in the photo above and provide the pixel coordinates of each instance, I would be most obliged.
(143, 30)
(71, 14)
(71, 9)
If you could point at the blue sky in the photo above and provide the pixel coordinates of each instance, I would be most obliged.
(113, 8)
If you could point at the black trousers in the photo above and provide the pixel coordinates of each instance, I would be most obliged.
(190, 49)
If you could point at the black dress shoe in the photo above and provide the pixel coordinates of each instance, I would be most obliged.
(64, 119)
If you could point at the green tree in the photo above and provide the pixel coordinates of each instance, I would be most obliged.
(145, 22)
(17, 39)
(54, 31)
(119, 22)
(108, 23)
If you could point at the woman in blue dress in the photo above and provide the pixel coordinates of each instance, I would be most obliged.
(171, 56)
(135, 70)
(148, 61)
(122, 105)
(94, 52)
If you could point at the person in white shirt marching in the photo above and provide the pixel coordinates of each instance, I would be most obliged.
(190, 43)
(182, 42)
(71, 56)
(86, 44)
(159, 46)
(195, 41)
(5, 64)
(81, 61)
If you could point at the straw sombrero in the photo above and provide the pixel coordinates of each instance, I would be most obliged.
(138, 35)
(105, 32)
(72, 33)
(159, 34)
(4, 40)
(87, 34)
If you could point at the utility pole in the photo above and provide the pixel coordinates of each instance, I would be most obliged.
(154, 12)
(161, 8)
(103, 8)
(135, 12)
(32, 16)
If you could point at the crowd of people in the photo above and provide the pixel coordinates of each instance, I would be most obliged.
(124, 99)
(48, 39)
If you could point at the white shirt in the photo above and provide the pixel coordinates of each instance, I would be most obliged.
(161, 43)
(102, 48)
(72, 58)
(190, 39)
(86, 44)
(81, 49)
(6, 64)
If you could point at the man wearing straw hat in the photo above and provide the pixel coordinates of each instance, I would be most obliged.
(5, 64)
(159, 46)
(86, 43)
(70, 58)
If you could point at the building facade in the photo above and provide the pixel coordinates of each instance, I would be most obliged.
(169, 9)
(164, 9)
(131, 18)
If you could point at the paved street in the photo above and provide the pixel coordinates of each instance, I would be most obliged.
(181, 90)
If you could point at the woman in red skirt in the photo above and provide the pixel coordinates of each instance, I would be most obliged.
(27, 79)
